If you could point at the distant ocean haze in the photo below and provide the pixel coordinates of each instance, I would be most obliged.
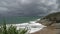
(16, 20)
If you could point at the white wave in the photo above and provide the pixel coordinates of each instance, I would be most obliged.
(32, 26)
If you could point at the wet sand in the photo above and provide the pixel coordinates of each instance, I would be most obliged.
(46, 30)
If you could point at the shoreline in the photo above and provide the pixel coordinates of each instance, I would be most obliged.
(32, 27)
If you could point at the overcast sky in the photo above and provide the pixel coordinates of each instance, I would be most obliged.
(28, 7)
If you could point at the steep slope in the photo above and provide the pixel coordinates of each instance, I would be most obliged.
(52, 21)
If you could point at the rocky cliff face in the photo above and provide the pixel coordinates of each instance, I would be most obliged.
(52, 21)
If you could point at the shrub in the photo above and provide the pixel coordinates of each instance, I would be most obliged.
(11, 29)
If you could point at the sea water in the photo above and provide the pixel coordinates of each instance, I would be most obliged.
(32, 26)
(22, 22)
(17, 19)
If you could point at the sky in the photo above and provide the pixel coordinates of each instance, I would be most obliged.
(28, 7)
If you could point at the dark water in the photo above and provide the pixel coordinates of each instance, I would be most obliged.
(15, 20)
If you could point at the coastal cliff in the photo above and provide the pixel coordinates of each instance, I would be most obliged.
(52, 21)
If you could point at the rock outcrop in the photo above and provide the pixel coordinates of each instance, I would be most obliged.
(52, 21)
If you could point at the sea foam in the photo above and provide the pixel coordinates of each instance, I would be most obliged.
(32, 26)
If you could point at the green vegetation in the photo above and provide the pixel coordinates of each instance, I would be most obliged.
(50, 19)
(11, 29)
(53, 17)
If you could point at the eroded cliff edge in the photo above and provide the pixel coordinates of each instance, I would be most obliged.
(52, 21)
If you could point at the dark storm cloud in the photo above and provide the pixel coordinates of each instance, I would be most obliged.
(28, 7)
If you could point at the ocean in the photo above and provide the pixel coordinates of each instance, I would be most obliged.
(31, 25)
(23, 22)
(18, 20)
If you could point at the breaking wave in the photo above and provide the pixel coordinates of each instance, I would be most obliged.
(32, 26)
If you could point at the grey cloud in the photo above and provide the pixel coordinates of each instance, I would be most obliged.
(28, 7)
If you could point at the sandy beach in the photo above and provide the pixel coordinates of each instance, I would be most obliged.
(45, 31)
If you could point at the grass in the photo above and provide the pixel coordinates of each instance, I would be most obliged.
(11, 29)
